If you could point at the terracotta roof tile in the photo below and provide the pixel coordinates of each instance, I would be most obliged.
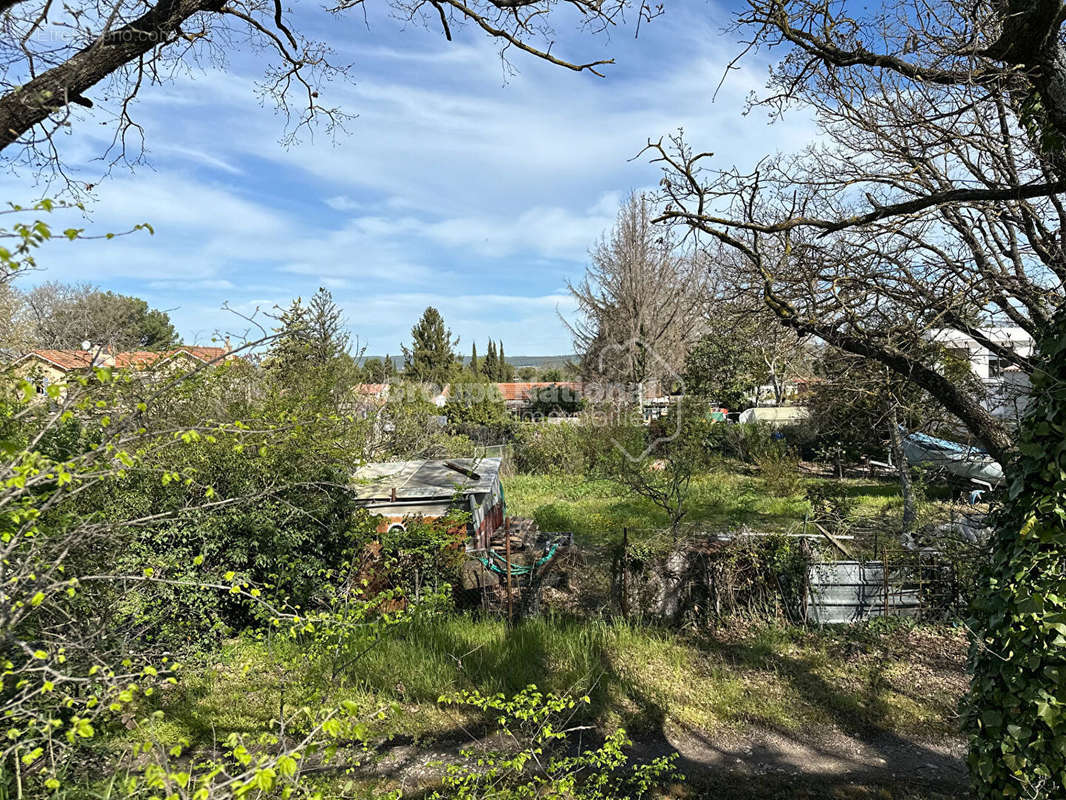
(204, 354)
(138, 359)
(520, 391)
(65, 359)
(372, 389)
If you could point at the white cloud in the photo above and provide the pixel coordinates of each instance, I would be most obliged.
(451, 189)
(342, 202)
(551, 232)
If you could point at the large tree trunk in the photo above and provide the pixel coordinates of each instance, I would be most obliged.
(1029, 38)
(33, 102)
(910, 510)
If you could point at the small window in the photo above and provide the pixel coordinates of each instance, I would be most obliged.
(997, 364)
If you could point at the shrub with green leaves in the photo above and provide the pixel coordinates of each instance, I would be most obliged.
(570, 448)
(124, 537)
(476, 403)
(749, 441)
(1015, 714)
(538, 764)
(243, 476)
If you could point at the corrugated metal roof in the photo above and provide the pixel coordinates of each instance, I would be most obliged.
(425, 478)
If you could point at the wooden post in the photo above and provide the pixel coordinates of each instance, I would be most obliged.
(625, 579)
(507, 551)
(921, 582)
(884, 580)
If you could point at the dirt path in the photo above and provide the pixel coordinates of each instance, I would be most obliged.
(764, 763)
(830, 755)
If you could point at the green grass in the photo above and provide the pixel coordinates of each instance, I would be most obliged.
(864, 680)
(720, 499)
(647, 680)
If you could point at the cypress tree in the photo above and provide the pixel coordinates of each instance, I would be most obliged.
(505, 372)
(473, 358)
(489, 368)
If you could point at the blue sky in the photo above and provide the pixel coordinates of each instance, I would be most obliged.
(457, 185)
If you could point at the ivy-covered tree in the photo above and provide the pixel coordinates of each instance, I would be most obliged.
(1015, 714)
(431, 357)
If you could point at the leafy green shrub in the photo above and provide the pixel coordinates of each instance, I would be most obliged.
(570, 448)
(424, 556)
(831, 505)
(1015, 713)
(750, 440)
(476, 403)
(553, 400)
(779, 469)
(801, 437)
(281, 525)
(538, 764)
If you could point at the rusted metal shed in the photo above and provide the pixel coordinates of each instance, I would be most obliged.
(430, 488)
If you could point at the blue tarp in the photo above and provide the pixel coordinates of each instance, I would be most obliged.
(963, 460)
(926, 440)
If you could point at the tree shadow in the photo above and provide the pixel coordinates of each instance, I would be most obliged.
(857, 751)
(769, 760)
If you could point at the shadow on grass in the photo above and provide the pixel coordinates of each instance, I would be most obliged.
(886, 760)
(869, 489)
(442, 655)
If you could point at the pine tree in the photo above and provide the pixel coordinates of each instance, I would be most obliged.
(430, 358)
(326, 335)
(291, 346)
(473, 359)
(390, 367)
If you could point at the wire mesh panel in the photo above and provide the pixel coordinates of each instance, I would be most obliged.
(853, 591)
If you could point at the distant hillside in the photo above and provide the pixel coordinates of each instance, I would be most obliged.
(540, 362)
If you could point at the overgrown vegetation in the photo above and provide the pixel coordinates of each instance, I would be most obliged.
(903, 679)
(195, 605)
(167, 537)
(1016, 710)
(722, 498)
